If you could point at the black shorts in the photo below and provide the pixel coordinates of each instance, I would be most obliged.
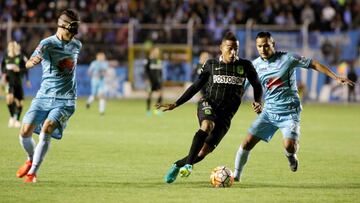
(221, 119)
(17, 91)
(155, 86)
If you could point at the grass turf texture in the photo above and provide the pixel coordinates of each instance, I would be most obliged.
(123, 156)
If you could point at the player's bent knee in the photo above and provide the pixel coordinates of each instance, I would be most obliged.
(49, 127)
(207, 126)
(26, 130)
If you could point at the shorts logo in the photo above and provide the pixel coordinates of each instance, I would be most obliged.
(225, 79)
(207, 111)
(63, 118)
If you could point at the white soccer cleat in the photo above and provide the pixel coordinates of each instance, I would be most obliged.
(11, 122)
(17, 124)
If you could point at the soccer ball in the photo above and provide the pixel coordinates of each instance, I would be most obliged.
(221, 176)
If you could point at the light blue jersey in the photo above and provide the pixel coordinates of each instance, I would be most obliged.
(282, 104)
(58, 64)
(98, 69)
(278, 78)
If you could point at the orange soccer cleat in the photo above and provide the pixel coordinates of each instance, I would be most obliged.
(30, 178)
(24, 169)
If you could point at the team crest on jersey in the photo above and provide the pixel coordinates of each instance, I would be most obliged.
(66, 64)
(240, 70)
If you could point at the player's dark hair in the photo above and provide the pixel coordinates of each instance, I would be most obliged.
(74, 23)
(264, 35)
(229, 36)
(72, 14)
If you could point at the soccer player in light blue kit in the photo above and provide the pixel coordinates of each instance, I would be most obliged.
(55, 101)
(282, 107)
(97, 72)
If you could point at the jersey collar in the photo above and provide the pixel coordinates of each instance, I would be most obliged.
(222, 61)
(272, 58)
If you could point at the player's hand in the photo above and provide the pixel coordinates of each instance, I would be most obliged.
(257, 107)
(33, 61)
(16, 69)
(344, 81)
(165, 107)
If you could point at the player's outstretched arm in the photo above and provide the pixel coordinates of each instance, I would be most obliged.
(33, 61)
(322, 68)
(166, 107)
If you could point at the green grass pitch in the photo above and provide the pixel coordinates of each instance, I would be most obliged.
(123, 156)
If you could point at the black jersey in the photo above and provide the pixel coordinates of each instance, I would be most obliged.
(7, 66)
(224, 83)
(153, 70)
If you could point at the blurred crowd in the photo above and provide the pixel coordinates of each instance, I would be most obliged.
(323, 15)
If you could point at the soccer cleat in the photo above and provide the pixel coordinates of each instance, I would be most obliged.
(157, 112)
(148, 113)
(186, 170)
(17, 124)
(172, 174)
(24, 169)
(293, 162)
(87, 105)
(30, 178)
(11, 122)
(237, 177)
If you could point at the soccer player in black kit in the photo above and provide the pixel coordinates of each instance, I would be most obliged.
(225, 78)
(153, 71)
(13, 70)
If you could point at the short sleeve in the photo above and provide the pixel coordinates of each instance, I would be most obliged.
(41, 49)
(300, 61)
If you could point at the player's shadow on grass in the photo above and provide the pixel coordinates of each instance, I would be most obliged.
(201, 184)
(114, 184)
(300, 185)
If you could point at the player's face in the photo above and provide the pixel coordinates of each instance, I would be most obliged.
(68, 27)
(265, 47)
(229, 50)
(155, 53)
(13, 48)
(100, 56)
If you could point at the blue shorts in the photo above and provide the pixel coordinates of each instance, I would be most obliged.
(97, 87)
(266, 124)
(57, 110)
